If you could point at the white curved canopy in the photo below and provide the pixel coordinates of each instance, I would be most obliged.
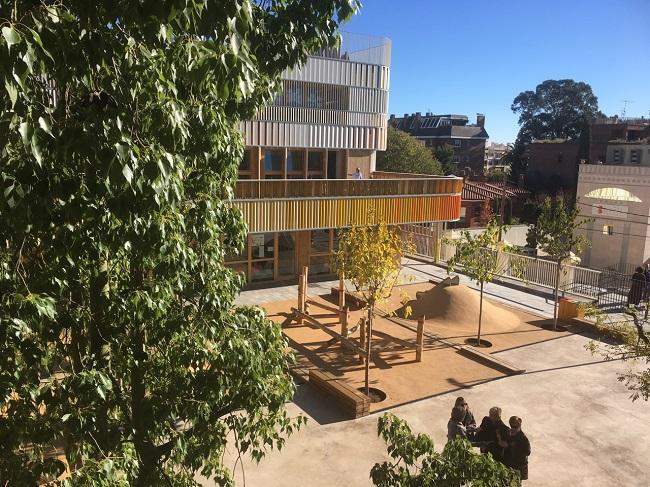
(615, 194)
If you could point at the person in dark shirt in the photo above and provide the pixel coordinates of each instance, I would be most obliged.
(637, 287)
(486, 434)
(516, 448)
(468, 418)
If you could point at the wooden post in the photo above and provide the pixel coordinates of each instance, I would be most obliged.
(344, 321)
(341, 293)
(305, 274)
(362, 337)
(419, 340)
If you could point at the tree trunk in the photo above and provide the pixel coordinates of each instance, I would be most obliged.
(557, 295)
(368, 341)
(480, 317)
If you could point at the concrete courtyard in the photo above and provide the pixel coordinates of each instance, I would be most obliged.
(583, 428)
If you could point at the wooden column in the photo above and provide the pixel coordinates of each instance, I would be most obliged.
(419, 340)
(344, 321)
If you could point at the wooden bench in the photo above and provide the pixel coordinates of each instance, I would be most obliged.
(353, 403)
(490, 360)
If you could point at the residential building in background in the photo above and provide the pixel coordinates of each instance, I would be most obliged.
(494, 152)
(296, 185)
(605, 130)
(468, 140)
(616, 194)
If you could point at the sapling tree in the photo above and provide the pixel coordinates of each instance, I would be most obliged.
(415, 461)
(631, 344)
(120, 347)
(557, 234)
(370, 257)
(481, 257)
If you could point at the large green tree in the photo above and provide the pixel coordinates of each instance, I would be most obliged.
(405, 153)
(445, 155)
(119, 145)
(557, 109)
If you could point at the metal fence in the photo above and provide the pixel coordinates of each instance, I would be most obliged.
(606, 288)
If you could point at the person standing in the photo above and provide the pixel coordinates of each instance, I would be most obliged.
(516, 448)
(487, 435)
(357, 174)
(637, 287)
(455, 424)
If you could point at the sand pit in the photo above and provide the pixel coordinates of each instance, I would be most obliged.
(460, 304)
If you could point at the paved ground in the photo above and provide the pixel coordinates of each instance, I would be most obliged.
(583, 428)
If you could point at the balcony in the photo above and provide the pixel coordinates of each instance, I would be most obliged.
(277, 205)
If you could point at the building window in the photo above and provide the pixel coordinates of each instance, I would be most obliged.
(295, 161)
(608, 230)
(635, 156)
(616, 159)
(273, 160)
(457, 142)
(315, 161)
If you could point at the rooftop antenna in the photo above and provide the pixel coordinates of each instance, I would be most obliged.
(625, 102)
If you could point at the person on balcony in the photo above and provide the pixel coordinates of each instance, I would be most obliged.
(357, 174)
(637, 288)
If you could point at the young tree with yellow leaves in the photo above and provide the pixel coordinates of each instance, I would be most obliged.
(370, 257)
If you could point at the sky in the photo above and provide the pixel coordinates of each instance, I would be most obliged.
(476, 56)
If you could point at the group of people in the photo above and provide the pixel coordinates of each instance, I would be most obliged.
(640, 287)
(508, 445)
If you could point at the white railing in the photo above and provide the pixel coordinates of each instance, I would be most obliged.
(581, 281)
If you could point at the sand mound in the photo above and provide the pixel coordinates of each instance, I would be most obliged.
(460, 305)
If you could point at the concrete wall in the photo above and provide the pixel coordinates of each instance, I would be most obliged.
(516, 234)
(622, 154)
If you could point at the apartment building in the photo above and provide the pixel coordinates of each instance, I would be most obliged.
(616, 194)
(468, 140)
(298, 183)
(605, 130)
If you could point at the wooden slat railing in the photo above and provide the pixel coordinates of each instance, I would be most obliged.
(331, 188)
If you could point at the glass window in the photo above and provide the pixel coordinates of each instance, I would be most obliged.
(295, 160)
(320, 241)
(263, 246)
(245, 164)
(273, 160)
(262, 271)
(319, 265)
(315, 161)
(286, 254)
(608, 230)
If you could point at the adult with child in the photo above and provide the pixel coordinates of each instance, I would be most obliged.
(516, 448)
(487, 434)
(455, 425)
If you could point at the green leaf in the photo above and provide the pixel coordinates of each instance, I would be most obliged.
(127, 172)
(45, 125)
(26, 130)
(12, 91)
(11, 36)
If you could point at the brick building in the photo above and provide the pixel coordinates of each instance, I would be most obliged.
(605, 130)
(553, 166)
(468, 140)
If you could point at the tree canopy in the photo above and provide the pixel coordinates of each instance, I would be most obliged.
(445, 155)
(119, 145)
(405, 153)
(556, 109)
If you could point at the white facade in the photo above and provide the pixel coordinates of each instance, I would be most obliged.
(637, 154)
(617, 197)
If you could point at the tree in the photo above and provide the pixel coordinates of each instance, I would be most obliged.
(406, 154)
(481, 256)
(630, 344)
(486, 212)
(445, 155)
(556, 234)
(119, 148)
(417, 463)
(557, 109)
(516, 158)
(370, 256)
